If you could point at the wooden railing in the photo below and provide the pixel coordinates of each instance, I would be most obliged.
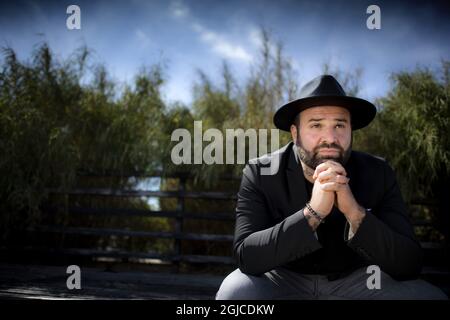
(178, 216)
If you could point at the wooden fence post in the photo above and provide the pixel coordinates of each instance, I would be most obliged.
(179, 219)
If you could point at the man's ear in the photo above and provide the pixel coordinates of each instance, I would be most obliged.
(294, 132)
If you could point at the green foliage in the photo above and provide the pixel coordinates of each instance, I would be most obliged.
(350, 80)
(247, 105)
(53, 125)
(214, 106)
(34, 137)
(412, 130)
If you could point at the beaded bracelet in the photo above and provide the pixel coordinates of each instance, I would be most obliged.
(314, 213)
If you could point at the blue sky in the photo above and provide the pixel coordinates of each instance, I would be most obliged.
(191, 35)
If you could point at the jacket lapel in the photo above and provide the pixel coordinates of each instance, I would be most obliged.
(355, 182)
(296, 183)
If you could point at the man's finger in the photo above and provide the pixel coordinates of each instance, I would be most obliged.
(337, 167)
(326, 175)
(332, 177)
(332, 186)
(329, 164)
(342, 179)
(320, 168)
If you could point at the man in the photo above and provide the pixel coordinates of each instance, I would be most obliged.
(312, 228)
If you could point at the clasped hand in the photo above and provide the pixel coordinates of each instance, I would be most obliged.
(331, 188)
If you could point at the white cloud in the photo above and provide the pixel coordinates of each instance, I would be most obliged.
(142, 37)
(217, 42)
(178, 9)
(255, 37)
(231, 51)
(220, 45)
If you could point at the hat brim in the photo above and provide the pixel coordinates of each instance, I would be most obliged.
(362, 112)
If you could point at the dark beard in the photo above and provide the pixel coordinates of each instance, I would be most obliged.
(312, 159)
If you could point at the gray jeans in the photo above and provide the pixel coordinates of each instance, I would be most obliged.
(284, 284)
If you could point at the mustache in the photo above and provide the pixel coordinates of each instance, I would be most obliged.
(328, 146)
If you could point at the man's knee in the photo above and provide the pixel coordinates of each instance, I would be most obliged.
(240, 286)
(408, 290)
(423, 290)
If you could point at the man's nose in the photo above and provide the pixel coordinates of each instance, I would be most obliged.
(329, 135)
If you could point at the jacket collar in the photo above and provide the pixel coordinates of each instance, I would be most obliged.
(295, 179)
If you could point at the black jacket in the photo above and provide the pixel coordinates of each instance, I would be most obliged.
(271, 230)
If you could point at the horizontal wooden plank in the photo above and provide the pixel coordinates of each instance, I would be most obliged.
(225, 216)
(141, 212)
(120, 254)
(432, 245)
(130, 233)
(162, 234)
(421, 222)
(151, 255)
(207, 259)
(167, 214)
(424, 202)
(144, 193)
(153, 174)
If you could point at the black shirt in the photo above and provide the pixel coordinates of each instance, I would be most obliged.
(335, 258)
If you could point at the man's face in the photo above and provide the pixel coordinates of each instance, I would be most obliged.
(324, 133)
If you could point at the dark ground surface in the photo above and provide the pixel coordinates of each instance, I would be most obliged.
(33, 281)
(49, 282)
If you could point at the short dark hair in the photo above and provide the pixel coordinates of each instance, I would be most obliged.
(297, 120)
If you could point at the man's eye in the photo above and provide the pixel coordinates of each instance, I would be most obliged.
(316, 125)
(340, 126)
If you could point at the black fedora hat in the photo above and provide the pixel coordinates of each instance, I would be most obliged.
(325, 90)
